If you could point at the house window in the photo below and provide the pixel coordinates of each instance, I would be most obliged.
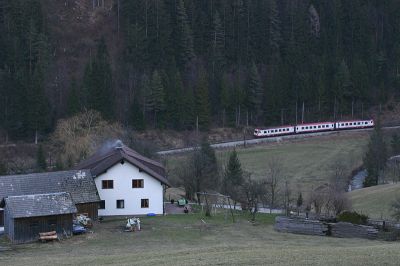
(107, 184)
(102, 204)
(120, 204)
(137, 183)
(144, 203)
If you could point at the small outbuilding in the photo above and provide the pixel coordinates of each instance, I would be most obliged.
(28, 215)
(78, 183)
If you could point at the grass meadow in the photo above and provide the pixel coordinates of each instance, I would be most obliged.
(305, 163)
(186, 240)
(375, 201)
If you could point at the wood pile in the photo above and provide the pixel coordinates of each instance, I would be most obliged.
(300, 226)
(349, 230)
(45, 236)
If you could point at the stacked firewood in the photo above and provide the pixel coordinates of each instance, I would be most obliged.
(349, 230)
(300, 226)
(45, 236)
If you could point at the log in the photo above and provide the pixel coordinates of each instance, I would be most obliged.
(52, 237)
(48, 233)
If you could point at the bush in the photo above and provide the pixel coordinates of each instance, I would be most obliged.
(352, 217)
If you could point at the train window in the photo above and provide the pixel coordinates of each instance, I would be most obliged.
(342, 124)
(302, 127)
(280, 130)
(347, 124)
(366, 123)
(358, 123)
(319, 126)
(315, 126)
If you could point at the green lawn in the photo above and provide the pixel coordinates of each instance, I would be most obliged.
(375, 201)
(306, 163)
(185, 240)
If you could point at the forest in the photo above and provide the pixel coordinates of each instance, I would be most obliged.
(188, 64)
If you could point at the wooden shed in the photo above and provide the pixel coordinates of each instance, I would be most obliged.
(28, 215)
(78, 183)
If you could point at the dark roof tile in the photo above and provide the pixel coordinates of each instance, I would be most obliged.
(99, 162)
(79, 183)
(40, 205)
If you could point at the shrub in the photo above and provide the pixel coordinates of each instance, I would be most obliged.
(352, 217)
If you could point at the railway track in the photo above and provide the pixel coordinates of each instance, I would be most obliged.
(253, 141)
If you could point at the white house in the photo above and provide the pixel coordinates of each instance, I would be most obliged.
(127, 182)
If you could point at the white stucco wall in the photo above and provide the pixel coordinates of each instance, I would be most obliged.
(122, 174)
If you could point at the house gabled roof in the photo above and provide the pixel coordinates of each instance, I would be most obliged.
(99, 162)
(79, 183)
(40, 205)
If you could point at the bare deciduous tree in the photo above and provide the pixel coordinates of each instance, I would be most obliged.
(255, 191)
(274, 179)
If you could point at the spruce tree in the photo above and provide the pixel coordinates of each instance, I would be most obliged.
(375, 157)
(233, 177)
(3, 168)
(98, 82)
(136, 116)
(395, 145)
(203, 102)
(255, 92)
(183, 36)
(41, 159)
(156, 101)
(73, 100)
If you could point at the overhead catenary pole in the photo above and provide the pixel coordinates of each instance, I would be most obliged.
(302, 114)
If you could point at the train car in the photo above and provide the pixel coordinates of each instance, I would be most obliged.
(273, 132)
(315, 127)
(353, 124)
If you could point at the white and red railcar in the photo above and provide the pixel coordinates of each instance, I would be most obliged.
(353, 124)
(315, 127)
(272, 132)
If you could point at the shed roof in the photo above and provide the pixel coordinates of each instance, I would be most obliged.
(102, 160)
(40, 205)
(79, 183)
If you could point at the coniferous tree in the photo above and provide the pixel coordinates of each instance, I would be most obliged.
(136, 116)
(255, 92)
(41, 159)
(183, 36)
(233, 177)
(203, 102)
(73, 101)
(3, 168)
(375, 157)
(274, 32)
(156, 101)
(395, 145)
(344, 86)
(98, 82)
(175, 98)
(188, 107)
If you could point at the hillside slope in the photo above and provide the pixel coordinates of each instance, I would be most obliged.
(375, 201)
(306, 163)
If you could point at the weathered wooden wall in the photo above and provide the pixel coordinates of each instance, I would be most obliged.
(23, 230)
(90, 208)
(1, 217)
